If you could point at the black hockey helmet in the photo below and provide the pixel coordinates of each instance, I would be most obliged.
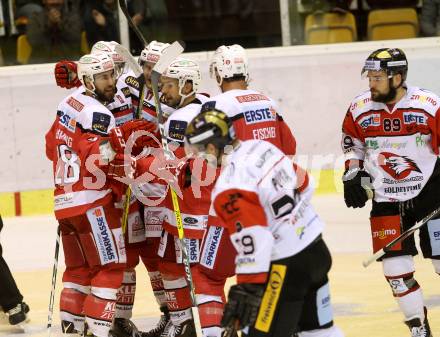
(391, 60)
(210, 126)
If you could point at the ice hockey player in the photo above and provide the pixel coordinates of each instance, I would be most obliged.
(140, 238)
(90, 225)
(390, 137)
(229, 67)
(254, 114)
(282, 261)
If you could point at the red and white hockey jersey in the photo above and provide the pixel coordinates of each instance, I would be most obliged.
(258, 197)
(398, 147)
(194, 204)
(122, 106)
(255, 116)
(72, 144)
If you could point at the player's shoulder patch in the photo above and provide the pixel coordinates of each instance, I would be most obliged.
(126, 91)
(177, 129)
(132, 82)
(209, 105)
(100, 122)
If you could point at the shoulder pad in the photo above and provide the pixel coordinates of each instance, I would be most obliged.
(176, 130)
(100, 122)
(126, 92)
(424, 99)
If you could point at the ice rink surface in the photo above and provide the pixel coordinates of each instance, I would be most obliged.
(362, 300)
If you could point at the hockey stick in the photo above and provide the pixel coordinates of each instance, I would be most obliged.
(170, 54)
(136, 68)
(138, 71)
(123, 5)
(400, 238)
(126, 55)
(54, 281)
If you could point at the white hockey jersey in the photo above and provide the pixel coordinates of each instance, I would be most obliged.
(255, 116)
(256, 197)
(397, 147)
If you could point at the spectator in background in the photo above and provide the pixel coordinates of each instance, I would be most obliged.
(430, 18)
(24, 9)
(101, 21)
(137, 10)
(54, 33)
(11, 300)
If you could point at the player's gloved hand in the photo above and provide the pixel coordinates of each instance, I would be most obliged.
(242, 307)
(66, 74)
(120, 136)
(123, 167)
(357, 187)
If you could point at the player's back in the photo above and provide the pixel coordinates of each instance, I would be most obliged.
(259, 171)
(255, 116)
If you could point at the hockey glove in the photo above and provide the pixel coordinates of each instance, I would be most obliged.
(66, 74)
(357, 187)
(120, 136)
(243, 304)
(122, 167)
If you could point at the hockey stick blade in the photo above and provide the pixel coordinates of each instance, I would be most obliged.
(169, 55)
(126, 55)
(400, 238)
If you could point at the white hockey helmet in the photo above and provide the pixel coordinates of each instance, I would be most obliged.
(152, 52)
(184, 70)
(90, 65)
(108, 47)
(229, 61)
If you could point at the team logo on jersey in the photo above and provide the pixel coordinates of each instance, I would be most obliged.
(230, 206)
(67, 121)
(347, 143)
(399, 167)
(369, 120)
(77, 105)
(260, 115)
(415, 118)
(100, 122)
(177, 130)
(126, 91)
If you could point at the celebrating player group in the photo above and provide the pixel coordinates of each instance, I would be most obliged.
(202, 188)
